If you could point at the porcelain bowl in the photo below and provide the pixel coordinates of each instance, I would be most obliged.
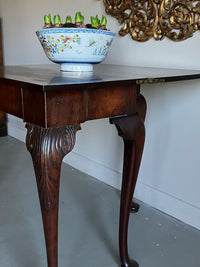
(75, 49)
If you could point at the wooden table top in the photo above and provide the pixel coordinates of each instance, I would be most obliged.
(48, 76)
(42, 95)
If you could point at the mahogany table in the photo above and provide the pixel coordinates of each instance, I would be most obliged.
(54, 104)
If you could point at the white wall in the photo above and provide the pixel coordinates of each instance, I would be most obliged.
(169, 178)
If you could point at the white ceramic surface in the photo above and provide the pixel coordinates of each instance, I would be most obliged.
(76, 49)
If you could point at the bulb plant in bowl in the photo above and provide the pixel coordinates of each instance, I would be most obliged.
(76, 46)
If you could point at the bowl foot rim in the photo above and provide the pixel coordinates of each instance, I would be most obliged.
(76, 67)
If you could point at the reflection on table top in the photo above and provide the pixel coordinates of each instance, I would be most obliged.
(50, 75)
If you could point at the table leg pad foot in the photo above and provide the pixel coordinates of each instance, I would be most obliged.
(135, 207)
(130, 264)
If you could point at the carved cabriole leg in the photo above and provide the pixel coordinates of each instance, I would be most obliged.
(132, 130)
(47, 148)
(141, 109)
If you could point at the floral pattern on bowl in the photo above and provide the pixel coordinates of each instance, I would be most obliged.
(75, 45)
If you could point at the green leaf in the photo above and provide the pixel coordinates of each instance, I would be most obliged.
(98, 19)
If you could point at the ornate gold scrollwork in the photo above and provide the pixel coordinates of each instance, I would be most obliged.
(146, 19)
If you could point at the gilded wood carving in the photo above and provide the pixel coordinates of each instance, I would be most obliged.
(146, 19)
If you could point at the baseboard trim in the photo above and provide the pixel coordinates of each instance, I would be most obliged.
(16, 128)
(94, 169)
(177, 208)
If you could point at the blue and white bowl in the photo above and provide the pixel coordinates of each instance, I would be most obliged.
(75, 49)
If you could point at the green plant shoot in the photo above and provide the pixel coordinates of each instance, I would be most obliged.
(57, 19)
(68, 19)
(95, 21)
(79, 17)
(103, 20)
(47, 19)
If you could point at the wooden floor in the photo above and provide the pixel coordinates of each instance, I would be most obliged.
(88, 225)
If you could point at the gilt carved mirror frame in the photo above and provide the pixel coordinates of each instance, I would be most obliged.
(146, 19)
